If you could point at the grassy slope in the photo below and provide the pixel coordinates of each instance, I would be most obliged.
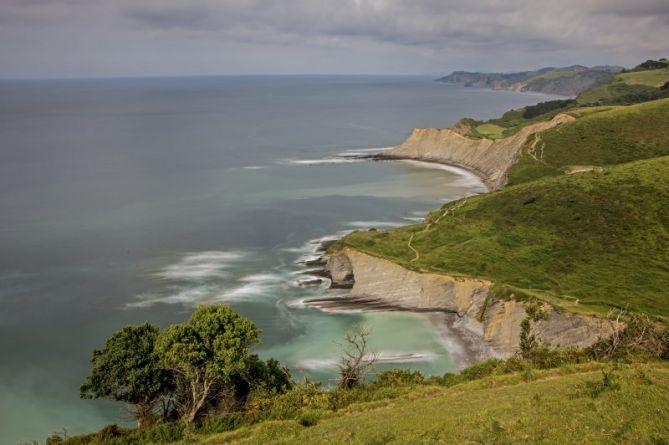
(556, 407)
(626, 84)
(600, 136)
(602, 237)
(653, 78)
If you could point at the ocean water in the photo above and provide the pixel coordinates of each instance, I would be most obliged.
(132, 200)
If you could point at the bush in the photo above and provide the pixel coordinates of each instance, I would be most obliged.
(545, 107)
(398, 377)
(609, 382)
(221, 424)
(308, 418)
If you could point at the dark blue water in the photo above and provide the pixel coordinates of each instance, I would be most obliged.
(123, 201)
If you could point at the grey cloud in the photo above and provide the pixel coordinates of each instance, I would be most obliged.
(537, 25)
(171, 18)
(408, 34)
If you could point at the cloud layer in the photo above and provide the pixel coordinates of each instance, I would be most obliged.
(144, 37)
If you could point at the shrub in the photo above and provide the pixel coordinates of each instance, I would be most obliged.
(308, 418)
(545, 107)
(609, 382)
(127, 370)
(397, 377)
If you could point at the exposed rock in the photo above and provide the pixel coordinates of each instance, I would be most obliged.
(381, 284)
(501, 326)
(315, 273)
(318, 261)
(490, 159)
(340, 270)
(392, 283)
(566, 329)
(310, 282)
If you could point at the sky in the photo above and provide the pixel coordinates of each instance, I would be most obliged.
(111, 38)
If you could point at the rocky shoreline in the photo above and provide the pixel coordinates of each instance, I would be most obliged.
(463, 309)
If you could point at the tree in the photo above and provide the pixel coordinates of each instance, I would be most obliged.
(356, 360)
(205, 354)
(127, 369)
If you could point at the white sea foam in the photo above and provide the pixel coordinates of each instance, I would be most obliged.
(383, 357)
(370, 224)
(406, 357)
(197, 266)
(262, 278)
(187, 296)
(247, 286)
(331, 160)
(466, 177)
(362, 151)
(253, 285)
(254, 167)
(309, 249)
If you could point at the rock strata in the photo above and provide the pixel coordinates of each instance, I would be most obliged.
(495, 322)
(490, 159)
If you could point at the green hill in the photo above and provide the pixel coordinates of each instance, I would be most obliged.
(582, 225)
(566, 406)
(600, 136)
(565, 81)
(630, 87)
(601, 237)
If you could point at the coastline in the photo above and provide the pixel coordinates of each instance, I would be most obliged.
(485, 179)
(464, 311)
(462, 339)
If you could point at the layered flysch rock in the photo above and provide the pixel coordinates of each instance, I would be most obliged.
(490, 159)
(497, 322)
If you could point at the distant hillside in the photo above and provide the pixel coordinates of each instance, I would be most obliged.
(646, 81)
(565, 81)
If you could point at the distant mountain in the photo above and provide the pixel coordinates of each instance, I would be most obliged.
(564, 81)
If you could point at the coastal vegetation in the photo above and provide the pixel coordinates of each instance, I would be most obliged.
(597, 238)
(188, 371)
(582, 226)
(646, 82)
(565, 81)
(608, 374)
(600, 136)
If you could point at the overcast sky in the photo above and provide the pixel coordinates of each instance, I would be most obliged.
(89, 38)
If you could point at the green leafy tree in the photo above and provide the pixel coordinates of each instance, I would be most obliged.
(127, 369)
(206, 354)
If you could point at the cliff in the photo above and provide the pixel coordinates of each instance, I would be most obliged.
(495, 323)
(489, 158)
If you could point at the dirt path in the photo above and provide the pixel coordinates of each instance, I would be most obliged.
(532, 151)
(446, 212)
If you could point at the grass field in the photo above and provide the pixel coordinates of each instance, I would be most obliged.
(600, 136)
(599, 236)
(653, 78)
(490, 131)
(563, 406)
(626, 88)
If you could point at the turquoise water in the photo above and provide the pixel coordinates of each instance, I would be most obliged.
(134, 200)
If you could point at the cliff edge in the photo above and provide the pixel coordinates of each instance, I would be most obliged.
(490, 159)
(495, 323)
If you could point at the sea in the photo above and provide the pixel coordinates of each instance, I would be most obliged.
(132, 200)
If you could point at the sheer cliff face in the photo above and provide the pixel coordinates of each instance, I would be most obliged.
(491, 159)
(496, 322)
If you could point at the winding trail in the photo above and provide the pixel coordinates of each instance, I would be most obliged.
(532, 151)
(446, 212)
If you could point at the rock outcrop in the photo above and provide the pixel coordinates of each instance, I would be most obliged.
(496, 322)
(490, 159)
